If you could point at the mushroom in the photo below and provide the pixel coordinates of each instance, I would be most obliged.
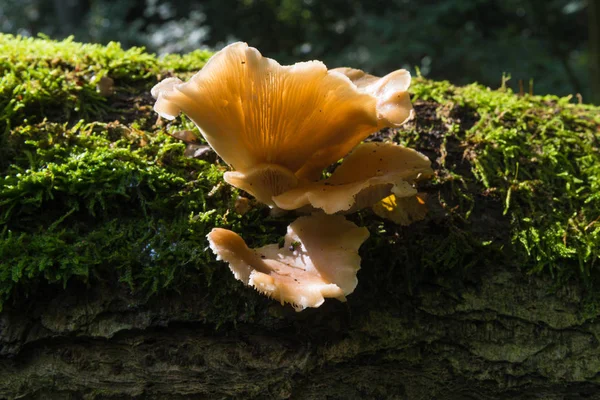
(372, 172)
(402, 210)
(393, 100)
(279, 125)
(105, 86)
(242, 205)
(194, 148)
(318, 260)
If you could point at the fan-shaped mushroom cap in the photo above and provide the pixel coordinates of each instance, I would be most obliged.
(393, 100)
(370, 173)
(302, 118)
(319, 260)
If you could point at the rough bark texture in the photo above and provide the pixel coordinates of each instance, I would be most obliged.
(501, 335)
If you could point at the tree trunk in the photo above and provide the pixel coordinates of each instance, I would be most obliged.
(501, 335)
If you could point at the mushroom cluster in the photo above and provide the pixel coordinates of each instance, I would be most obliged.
(278, 127)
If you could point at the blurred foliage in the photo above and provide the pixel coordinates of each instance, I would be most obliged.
(543, 42)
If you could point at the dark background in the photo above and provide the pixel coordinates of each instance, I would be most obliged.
(552, 43)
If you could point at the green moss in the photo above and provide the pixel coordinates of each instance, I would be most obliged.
(539, 156)
(94, 188)
(58, 79)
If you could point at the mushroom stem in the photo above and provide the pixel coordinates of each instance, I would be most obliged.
(263, 181)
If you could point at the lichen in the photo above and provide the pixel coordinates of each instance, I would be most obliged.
(93, 187)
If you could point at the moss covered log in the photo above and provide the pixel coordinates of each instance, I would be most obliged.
(108, 290)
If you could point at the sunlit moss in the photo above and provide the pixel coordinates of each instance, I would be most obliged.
(95, 188)
(539, 157)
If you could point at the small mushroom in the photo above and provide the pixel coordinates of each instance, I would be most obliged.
(105, 86)
(402, 210)
(270, 122)
(373, 171)
(318, 260)
(194, 147)
(242, 205)
(200, 151)
(186, 136)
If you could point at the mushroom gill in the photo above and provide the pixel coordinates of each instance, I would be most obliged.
(263, 118)
(372, 172)
(319, 260)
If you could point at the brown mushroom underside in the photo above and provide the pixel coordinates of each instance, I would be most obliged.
(370, 173)
(318, 260)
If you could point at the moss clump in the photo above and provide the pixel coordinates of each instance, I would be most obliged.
(89, 186)
(539, 157)
(94, 188)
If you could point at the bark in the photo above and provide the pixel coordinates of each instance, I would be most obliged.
(502, 334)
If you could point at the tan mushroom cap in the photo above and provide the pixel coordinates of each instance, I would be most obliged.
(393, 101)
(319, 260)
(302, 118)
(370, 173)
